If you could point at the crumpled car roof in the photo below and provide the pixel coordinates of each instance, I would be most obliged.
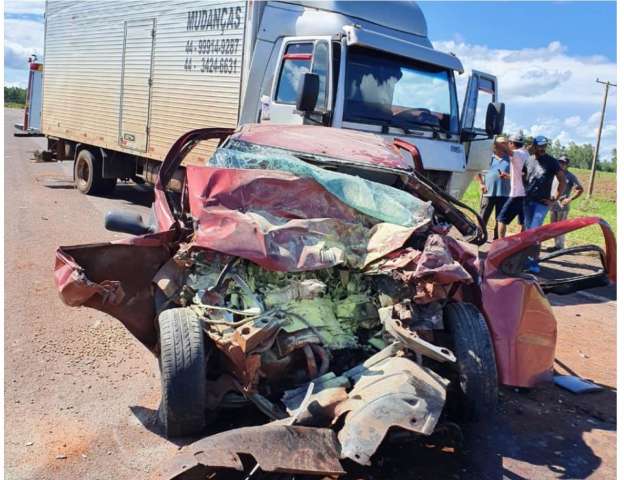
(349, 145)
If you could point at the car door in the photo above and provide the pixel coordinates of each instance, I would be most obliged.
(298, 55)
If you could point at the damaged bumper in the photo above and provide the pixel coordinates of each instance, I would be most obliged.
(395, 392)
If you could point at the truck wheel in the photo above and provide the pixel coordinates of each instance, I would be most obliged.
(476, 376)
(88, 174)
(182, 372)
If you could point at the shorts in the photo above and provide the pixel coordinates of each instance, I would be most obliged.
(513, 207)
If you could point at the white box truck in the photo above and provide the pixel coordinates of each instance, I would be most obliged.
(124, 79)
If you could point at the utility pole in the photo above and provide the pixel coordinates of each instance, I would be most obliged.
(607, 84)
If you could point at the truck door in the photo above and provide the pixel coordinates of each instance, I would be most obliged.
(136, 80)
(480, 92)
(298, 56)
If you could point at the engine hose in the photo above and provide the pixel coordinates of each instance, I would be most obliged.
(323, 355)
(311, 361)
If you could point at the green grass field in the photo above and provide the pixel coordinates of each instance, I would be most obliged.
(13, 105)
(602, 204)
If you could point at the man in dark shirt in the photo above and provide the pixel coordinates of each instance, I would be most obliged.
(541, 170)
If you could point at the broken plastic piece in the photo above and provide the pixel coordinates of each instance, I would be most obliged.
(575, 384)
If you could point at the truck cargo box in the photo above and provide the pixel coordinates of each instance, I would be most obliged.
(134, 77)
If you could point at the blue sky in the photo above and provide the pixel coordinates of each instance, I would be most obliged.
(585, 28)
(546, 56)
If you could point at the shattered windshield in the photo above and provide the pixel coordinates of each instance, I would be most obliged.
(398, 92)
(382, 202)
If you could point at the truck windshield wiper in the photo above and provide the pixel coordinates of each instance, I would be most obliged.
(433, 128)
(407, 129)
(375, 120)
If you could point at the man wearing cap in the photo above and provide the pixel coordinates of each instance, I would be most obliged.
(541, 171)
(514, 205)
(494, 182)
(561, 204)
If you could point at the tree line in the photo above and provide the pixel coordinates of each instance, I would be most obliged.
(581, 156)
(15, 95)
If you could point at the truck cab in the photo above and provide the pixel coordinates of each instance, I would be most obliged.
(370, 66)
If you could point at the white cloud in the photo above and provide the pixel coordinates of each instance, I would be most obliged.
(546, 90)
(574, 121)
(22, 38)
(24, 7)
(594, 119)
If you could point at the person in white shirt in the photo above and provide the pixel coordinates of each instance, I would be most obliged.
(514, 206)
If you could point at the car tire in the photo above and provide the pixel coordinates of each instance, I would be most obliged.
(182, 372)
(88, 174)
(477, 378)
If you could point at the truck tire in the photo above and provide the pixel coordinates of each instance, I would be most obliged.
(182, 373)
(477, 379)
(88, 174)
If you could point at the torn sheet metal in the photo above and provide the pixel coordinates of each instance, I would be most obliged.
(276, 448)
(375, 199)
(283, 222)
(430, 273)
(115, 278)
(394, 393)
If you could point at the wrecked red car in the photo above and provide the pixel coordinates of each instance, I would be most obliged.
(310, 274)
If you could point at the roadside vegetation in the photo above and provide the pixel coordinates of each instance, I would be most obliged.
(14, 97)
(602, 204)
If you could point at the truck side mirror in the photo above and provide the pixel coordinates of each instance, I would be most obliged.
(308, 92)
(495, 119)
(126, 222)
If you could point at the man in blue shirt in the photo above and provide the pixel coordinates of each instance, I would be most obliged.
(494, 182)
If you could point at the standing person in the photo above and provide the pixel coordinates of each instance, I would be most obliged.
(541, 171)
(514, 206)
(494, 185)
(561, 205)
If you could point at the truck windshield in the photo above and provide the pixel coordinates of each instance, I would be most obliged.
(390, 90)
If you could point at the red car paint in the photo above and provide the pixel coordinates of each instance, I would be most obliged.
(522, 324)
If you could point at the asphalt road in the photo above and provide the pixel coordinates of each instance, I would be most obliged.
(81, 393)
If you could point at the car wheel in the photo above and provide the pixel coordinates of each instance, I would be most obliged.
(476, 376)
(88, 174)
(182, 372)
